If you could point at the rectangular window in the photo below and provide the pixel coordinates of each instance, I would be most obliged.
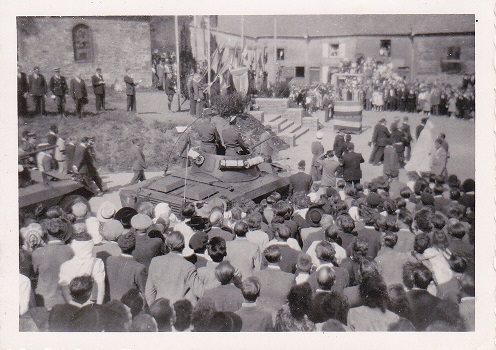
(453, 53)
(300, 72)
(385, 49)
(333, 50)
(280, 54)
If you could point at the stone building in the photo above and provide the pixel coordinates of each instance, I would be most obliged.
(81, 44)
(310, 46)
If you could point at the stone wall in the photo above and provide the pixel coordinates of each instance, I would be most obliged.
(272, 105)
(117, 44)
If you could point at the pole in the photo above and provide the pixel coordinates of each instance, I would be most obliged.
(178, 70)
(242, 33)
(209, 58)
(196, 37)
(275, 47)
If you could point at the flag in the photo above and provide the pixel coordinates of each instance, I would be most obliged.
(244, 56)
(240, 79)
(214, 61)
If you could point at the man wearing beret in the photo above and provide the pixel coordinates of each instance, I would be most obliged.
(58, 87)
(379, 140)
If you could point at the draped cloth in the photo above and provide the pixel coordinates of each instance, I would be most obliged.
(422, 151)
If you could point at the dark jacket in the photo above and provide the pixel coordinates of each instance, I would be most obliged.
(300, 182)
(58, 86)
(130, 85)
(78, 89)
(98, 84)
(274, 287)
(83, 160)
(22, 84)
(138, 159)
(381, 135)
(123, 273)
(423, 308)
(37, 86)
(351, 166)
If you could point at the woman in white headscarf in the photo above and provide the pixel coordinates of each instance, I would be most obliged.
(422, 151)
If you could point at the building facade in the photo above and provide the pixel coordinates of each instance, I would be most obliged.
(308, 47)
(81, 44)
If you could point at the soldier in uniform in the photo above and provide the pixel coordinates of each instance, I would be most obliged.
(198, 94)
(232, 139)
(58, 87)
(209, 137)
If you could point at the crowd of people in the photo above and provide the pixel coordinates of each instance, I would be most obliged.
(379, 88)
(338, 256)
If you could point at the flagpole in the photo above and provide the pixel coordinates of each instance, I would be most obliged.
(178, 70)
(242, 33)
(275, 47)
(196, 36)
(209, 58)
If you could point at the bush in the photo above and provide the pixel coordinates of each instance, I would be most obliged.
(227, 105)
(281, 89)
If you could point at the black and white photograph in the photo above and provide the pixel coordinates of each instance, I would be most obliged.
(189, 172)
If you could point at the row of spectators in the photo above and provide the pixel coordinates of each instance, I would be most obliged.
(380, 88)
(370, 257)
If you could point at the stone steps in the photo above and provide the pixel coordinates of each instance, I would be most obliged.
(292, 134)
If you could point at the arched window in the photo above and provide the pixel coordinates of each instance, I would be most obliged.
(82, 43)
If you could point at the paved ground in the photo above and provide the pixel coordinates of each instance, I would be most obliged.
(460, 135)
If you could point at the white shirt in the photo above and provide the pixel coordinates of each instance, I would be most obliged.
(291, 242)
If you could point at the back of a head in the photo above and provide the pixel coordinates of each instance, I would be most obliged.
(283, 232)
(325, 251)
(373, 292)
(346, 223)
(439, 239)
(183, 309)
(162, 312)
(216, 218)
(254, 220)
(304, 262)
(402, 325)
(398, 302)
(421, 242)
(359, 249)
(251, 289)
(175, 241)
(188, 210)
(134, 300)
(326, 277)
(421, 276)
(80, 288)
(331, 233)
(299, 300)
(143, 323)
(224, 272)
(202, 315)
(390, 240)
(335, 306)
(92, 318)
(217, 248)
(146, 208)
(240, 229)
(272, 254)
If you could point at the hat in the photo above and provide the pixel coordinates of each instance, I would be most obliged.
(331, 191)
(141, 222)
(314, 215)
(381, 182)
(124, 215)
(126, 241)
(319, 135)
(54, 127)
(105, 212)
(301, 164)
(198, 241)
(267, 127)
(217, 203)
(112, 229)
(382, 120)
(161, 209)
(79, 209)
(197, 222)
(427, 198)
(373, 199)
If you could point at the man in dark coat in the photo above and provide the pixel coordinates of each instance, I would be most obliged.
(407, 140)
(209, 137)
(170, 89)
(138, 161)
(58, 87)
(22, 92)
(83, 164)
(99, 89)
(300, 182)
(379, 140)
(38, 88)
(352, 173)
(79, 94)
(232, 139)
(130, 91)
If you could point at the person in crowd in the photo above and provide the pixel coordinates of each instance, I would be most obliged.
(38, 89)
(379, 139)
(352, 172)
(83, 163)
(301, 181)
(292, 316)
(138, 162)
(22, 92)
(79, 94)
(325, 280)
(254, 317)
(171, 276)
(170, 90)
(243, 254)
(439, 159)
(98, 84)
(182, 320)
(317, 153)
(58, 87)
(162, 312)
(147, 247)
(226, 296)
(130, 91)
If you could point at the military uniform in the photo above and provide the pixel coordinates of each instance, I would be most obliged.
(209, 138)
(58, 87)
(233, 141)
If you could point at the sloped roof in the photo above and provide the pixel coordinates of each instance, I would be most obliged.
(346, 25)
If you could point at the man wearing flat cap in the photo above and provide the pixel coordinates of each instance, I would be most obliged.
(300, 182)
(58, 87)
(379, 140)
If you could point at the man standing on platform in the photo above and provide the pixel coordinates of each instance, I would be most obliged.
(22, 92)
(38, 88)
(79, 94)
(99, 89)
(58, 87)
(379, 140)
(130, 91)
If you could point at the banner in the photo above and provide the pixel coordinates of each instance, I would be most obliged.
(240, 79)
